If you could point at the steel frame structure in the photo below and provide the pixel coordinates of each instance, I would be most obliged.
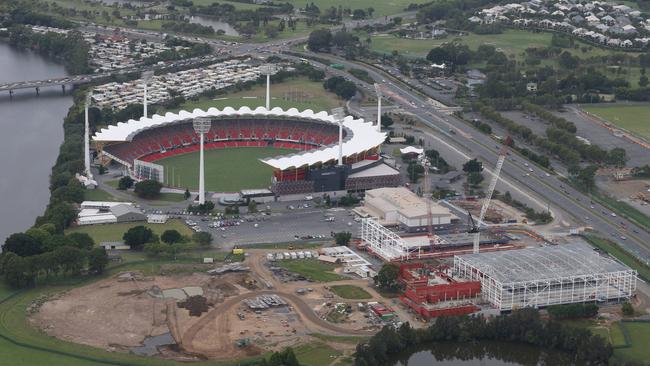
(384, 242)
(564, 283)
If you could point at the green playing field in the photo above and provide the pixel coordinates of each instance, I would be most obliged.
(226, 170)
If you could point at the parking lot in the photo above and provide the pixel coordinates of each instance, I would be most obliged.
(277, 227)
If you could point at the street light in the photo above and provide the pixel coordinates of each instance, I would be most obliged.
(201, 126)
(268, 70)
(146, 78)
(89, 96)
(379, 95)
(339, 115)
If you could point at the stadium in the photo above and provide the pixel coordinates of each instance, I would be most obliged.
(296, 151)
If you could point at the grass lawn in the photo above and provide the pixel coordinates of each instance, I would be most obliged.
(615, 251)
(383, 7)
(351, 292)
(226, 170)
(339, 339)
(623, 209)
(639, 351)
(616, 335)
(294, 93)
(633, 118)
(114, 232)
(312, 269)
(97, 195)
(512, 42)
(316, 354)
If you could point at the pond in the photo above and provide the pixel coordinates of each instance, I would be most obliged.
(480, 354)
(215, 23)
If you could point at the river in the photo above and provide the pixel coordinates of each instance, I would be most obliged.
(32, 130)
(480, 354)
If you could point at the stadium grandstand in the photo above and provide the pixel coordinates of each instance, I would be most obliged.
(138, 144)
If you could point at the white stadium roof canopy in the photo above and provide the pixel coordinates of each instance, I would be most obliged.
(364, 136)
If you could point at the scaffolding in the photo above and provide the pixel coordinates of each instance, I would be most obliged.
(539, 277)
(384, 242)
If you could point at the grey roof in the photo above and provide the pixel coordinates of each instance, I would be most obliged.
(123, 209)
(543, 263)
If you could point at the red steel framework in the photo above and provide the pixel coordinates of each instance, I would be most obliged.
(429, 300)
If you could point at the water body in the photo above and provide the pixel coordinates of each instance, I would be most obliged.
(481, 354)
(215, 23)
(32, 130)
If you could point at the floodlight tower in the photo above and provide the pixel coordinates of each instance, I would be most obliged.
(201, 127)
(146, 78)
(339, 115)
(268, 70)
(87, 136)
(379, 95)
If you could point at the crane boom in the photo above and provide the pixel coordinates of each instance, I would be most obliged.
(488, 197)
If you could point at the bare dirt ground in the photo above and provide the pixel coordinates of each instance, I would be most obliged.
(630, 191)
(117, 314)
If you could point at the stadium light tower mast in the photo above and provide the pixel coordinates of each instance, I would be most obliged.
(268, 70)
(339, 115)
(379, 95)
(201, 127)
(146, 78)
(87, 136)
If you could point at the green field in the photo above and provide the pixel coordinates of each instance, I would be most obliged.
(226, 170)
(312, 269)
(114, 232)
(294, 93)
(316, 354)
(351, 292)
(383, 7)
(620, 254)
(512, 42)
(639, 351)
(97, 195)
(633, 118)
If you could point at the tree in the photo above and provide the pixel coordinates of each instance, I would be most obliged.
(202, 238)
(271, 31)
(643, 81)
(415, 171)
(343, 238)
(171, 236)
(617, 157)
(70, 259)
(320, 39)
(97, 260)
(81, 240)
(473, 166)
(474, 178)
(252, 206)
(386, 120)
(16, 271)
(137, 236)
(23, 245)
(125, 183)
(386, 278)
(627, 309)
(148, 189)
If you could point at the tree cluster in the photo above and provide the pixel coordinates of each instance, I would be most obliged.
(522, 326)
(43, 252)
(341, 87)
(572, 311)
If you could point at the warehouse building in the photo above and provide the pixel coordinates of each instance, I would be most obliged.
(97, 212)
(539, 277)
(403, 208)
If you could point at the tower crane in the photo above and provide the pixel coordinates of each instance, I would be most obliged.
(488, 197)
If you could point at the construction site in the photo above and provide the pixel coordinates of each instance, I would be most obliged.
(218, 311)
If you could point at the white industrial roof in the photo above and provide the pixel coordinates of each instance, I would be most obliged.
(543, 263)
(364, 136)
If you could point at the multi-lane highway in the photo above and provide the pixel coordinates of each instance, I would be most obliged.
(542, 189)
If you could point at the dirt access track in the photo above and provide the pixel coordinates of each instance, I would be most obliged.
(210, 335)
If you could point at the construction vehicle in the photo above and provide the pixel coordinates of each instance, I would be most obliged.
(488, 197)
(244, 342)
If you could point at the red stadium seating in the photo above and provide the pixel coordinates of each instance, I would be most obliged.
(154, 144)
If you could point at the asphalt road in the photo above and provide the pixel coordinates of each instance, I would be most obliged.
(463, 139)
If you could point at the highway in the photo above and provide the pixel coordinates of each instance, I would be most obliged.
(460, 138)
(468, 142)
